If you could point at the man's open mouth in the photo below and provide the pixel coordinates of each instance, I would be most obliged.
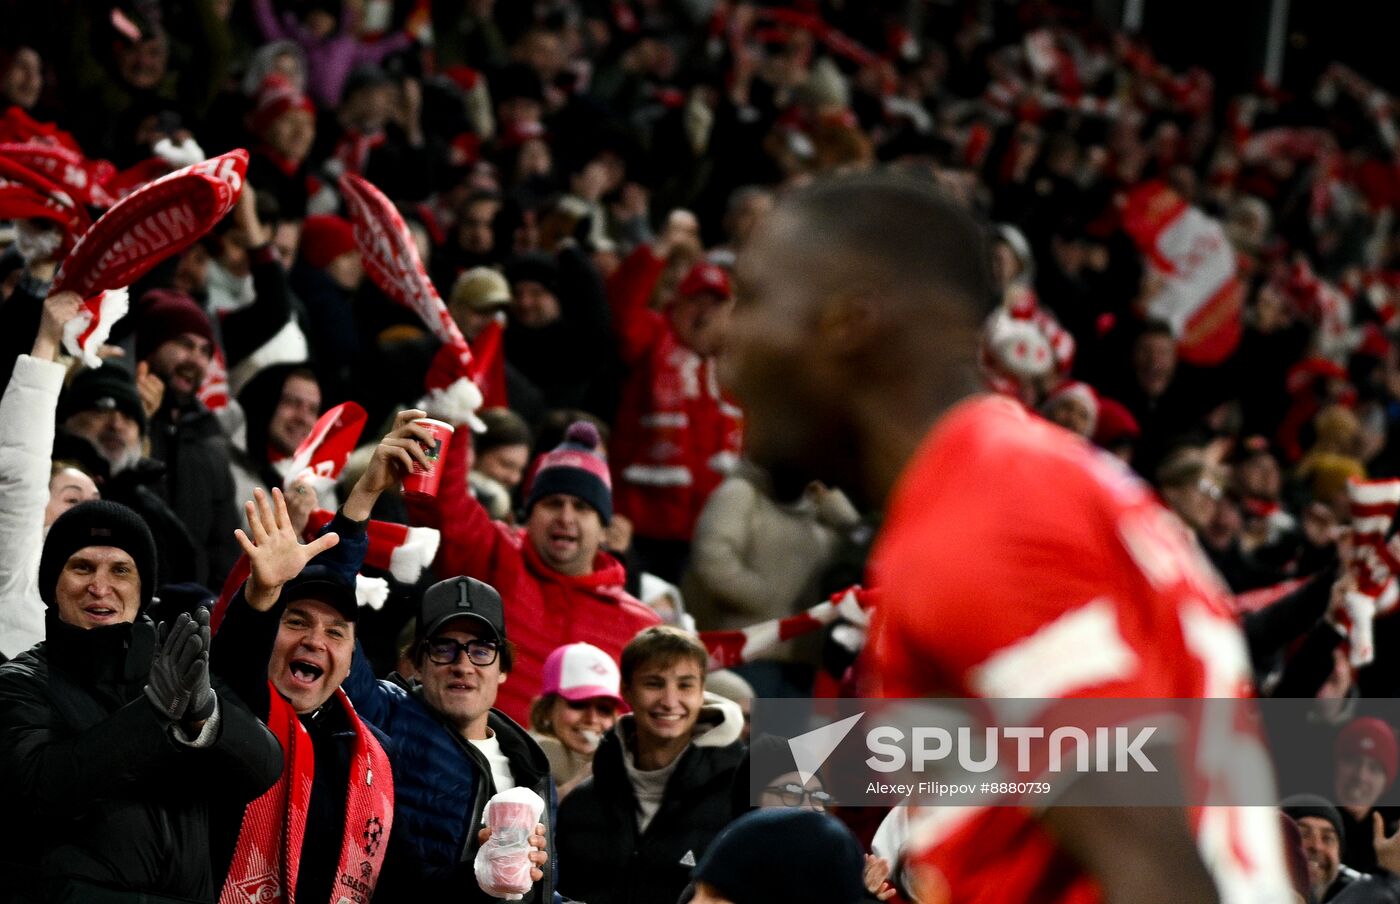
(305, 672)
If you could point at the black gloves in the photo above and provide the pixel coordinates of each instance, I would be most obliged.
(178, 685)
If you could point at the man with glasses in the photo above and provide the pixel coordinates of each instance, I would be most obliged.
(451, 749)
(660, 790)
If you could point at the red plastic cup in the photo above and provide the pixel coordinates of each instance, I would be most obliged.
(423, 481)
(511, 823)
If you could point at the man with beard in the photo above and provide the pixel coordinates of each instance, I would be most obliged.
(174, 338)
(103, 420)
(280, 405)
(1006, 541)
(1324, 836)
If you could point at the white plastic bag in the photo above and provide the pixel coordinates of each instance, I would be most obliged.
(503, 862)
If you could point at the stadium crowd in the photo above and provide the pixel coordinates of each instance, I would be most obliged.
(244, 664)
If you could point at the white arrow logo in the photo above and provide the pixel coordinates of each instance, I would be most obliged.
(810, 750)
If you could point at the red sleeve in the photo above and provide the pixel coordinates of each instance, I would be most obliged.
(472, 544)
(629, 289)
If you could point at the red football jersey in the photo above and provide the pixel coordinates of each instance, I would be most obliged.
(1017, 561)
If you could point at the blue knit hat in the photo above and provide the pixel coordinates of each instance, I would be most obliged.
(575, 468)
(782, 854)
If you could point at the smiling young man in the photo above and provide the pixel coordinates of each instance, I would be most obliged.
(285, 645)
(111, 729)
(660, 790)
(561, 586)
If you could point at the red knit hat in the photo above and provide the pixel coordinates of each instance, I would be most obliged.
(276, 97)
(165, 314)
(705, 277)
(1371, 737)
(325, 238)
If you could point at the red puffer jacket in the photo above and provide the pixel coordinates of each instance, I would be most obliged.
(677, 434)
(544, 609)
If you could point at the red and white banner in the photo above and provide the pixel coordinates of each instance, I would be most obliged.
(390, 257)
(322, 455)
(1201, 296)
(25, 194)
(153, 223)
(84, 179)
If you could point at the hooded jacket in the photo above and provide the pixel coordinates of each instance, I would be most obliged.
(544, 608)
(113, 807)
(603, 857)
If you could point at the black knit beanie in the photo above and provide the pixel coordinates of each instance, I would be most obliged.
(1300, 805)
(783, 854)
(103, 389)
(98, 523)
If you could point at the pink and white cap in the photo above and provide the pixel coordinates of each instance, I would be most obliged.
(581, 671)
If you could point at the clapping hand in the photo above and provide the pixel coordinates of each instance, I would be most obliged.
(178, 684)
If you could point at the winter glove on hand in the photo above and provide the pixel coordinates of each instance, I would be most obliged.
(201, 697)
(174, 667)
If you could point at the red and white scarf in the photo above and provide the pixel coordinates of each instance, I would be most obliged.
(731, 648)
(1372, 565)
(268, 854)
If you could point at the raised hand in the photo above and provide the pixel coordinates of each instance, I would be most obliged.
(877, 872)
(59, 308)
(1387, 846)
(274, 550)
(150, 387)
(393, 459)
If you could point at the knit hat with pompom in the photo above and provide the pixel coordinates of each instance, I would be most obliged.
(575, 468)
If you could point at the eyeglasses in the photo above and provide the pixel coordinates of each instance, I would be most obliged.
(793, 795)
(444, 651)
(1210, 489)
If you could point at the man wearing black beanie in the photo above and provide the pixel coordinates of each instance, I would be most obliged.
(751, 862)
(1323, 834)
(110, 730)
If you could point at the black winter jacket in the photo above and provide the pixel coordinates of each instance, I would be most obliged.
(603, 859)
(107, 805)
(199, 482)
